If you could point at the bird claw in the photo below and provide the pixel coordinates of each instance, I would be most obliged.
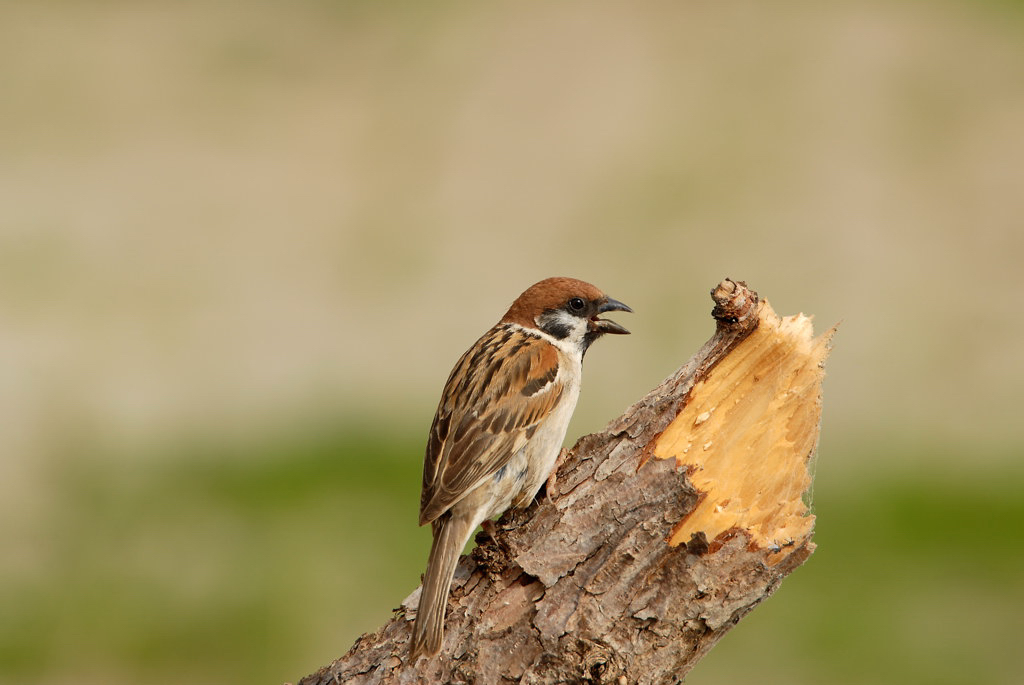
(495, 556)
(489, 526)
(551, 485)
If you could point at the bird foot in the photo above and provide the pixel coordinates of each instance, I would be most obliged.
(551, 485)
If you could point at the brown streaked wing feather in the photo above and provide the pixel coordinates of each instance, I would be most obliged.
(495, 397)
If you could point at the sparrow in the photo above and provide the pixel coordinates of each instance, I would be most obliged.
(500, 424)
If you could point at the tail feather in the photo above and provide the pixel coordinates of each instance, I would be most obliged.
(450, 536)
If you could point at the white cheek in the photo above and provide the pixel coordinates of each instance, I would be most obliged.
(579, 329)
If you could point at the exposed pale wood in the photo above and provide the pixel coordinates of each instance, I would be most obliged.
(662, 532)
(742, 433)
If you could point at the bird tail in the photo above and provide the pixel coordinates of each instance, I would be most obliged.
(450, 535)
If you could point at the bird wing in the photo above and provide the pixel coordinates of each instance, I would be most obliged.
(497, 394)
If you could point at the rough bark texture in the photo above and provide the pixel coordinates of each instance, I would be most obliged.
(662, 532)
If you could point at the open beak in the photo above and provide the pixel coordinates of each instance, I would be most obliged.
(604, 325)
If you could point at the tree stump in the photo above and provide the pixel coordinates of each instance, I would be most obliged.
(661, 533)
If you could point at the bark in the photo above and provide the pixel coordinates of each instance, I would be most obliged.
(660, 533)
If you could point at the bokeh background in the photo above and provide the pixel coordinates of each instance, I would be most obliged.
(242, 243)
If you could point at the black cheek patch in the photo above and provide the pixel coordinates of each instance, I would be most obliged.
(551, 324)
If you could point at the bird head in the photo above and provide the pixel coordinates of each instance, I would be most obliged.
(567, 309)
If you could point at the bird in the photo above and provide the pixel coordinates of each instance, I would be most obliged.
(499, 426)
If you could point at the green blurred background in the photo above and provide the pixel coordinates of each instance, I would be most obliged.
(241, 245)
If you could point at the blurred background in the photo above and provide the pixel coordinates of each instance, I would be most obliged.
(242, 244)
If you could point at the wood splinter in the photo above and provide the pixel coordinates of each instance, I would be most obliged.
(665, 529)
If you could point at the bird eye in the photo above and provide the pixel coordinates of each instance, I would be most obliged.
(577, 304)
